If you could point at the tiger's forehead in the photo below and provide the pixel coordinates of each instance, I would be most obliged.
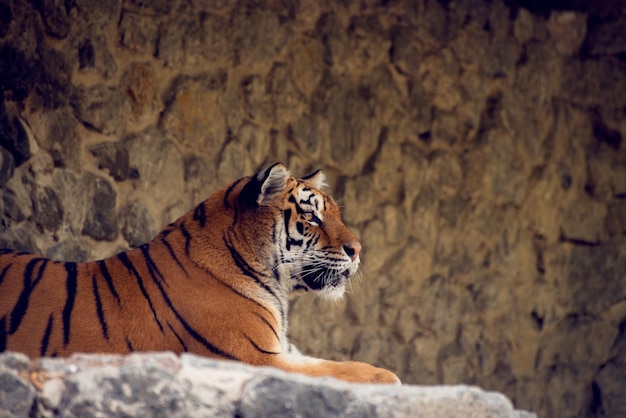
(311, 199)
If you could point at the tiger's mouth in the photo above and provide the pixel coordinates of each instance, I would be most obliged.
(318, 278)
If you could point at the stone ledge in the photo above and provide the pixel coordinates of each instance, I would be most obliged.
(167, 385)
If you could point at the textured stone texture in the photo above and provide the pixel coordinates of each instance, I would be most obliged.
(12, 135)
(164, 385)
(7, 166)
(476, 147)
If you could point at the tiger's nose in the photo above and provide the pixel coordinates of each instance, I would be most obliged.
(352, 249)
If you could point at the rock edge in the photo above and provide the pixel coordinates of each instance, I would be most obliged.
(167, 385)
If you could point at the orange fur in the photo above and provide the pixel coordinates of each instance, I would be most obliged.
(215, 282)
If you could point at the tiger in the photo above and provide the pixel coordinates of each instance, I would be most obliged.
(215, 283)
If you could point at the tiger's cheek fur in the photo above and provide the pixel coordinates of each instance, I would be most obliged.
(311, 242)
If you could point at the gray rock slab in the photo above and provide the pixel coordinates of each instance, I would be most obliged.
(167, 385)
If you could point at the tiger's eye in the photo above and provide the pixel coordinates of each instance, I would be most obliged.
(311, 219)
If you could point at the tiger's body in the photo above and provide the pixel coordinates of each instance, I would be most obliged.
(214, 282)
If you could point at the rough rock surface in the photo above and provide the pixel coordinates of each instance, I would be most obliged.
(476, 147)
(164, 385)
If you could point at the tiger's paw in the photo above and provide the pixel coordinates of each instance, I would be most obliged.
(349, 371)
(386, 377)
(358, 372)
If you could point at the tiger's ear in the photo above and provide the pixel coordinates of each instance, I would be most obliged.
(317, 179)
(265, 185)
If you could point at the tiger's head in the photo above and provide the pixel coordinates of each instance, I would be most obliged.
(305, 244)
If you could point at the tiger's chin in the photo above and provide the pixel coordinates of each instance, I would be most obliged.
(333, 292)
(326, 283)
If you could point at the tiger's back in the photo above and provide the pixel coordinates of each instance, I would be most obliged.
(215, 282)
(55, 308)
(28, 281)
(148, 298)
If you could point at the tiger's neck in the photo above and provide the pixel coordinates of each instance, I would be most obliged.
(213, 243)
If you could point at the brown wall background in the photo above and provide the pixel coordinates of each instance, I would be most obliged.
(476, 148)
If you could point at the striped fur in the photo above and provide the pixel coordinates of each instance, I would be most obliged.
(215, 282)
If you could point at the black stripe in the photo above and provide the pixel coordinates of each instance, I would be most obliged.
(99, 310)
(317, 220)
(259, 348)
(250, 272)
(275, 265)
(241, 262)
(246, 269)
(310, 175)
(200, 214)
(3, 334)
(274, 235)
(299, 209)
(235, 291)
(4, 272)
(109, 280)
(70, 286)
(235, 217)
(173, 254)
(332, 257)
(5, 251)
(154, 272)
(308, 201)
(180, 340)
(286, 218)
(44, 264)
(269, 325)
(123, 257)
(312, 242)
(187, 236)
(279, 259)
(229, 191)
(46, 337)
(129, 345)
(19, 310)
(296, 242)
(152, 267)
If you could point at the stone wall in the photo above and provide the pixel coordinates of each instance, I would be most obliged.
(476, 148)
